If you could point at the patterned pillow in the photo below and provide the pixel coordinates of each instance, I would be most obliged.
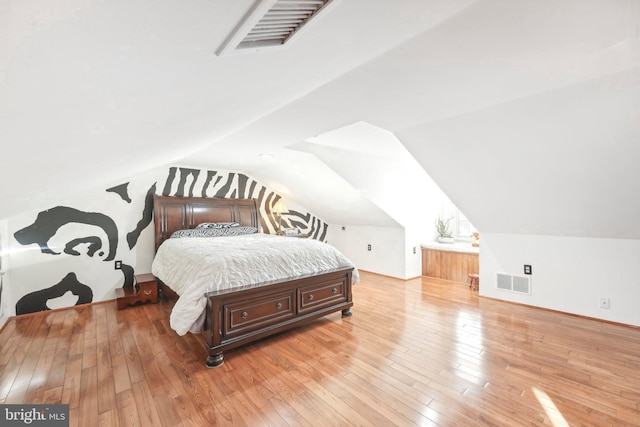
(218, 225)
(214, 232)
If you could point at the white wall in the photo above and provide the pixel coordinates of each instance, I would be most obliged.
(4, 291)
(392, 180)
(414, 238)
(569, 274)
(387, 254)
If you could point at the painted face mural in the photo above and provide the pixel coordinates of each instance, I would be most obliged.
(75, 249)
(64, 231)
(49, 222)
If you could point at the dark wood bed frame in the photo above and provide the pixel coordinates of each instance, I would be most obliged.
(242, 315)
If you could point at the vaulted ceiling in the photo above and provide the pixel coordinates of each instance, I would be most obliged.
(527, 114)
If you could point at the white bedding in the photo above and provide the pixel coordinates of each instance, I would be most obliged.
(194, 266)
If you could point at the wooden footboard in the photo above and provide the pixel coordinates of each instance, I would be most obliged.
(242, 316)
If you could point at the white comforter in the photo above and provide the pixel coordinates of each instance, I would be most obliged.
(194, 266)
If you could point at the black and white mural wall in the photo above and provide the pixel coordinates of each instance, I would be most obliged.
(65, 255)
(206, 183)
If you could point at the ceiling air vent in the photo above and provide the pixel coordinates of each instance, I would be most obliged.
(272, 23)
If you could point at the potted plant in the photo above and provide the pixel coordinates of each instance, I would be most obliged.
(444, 233)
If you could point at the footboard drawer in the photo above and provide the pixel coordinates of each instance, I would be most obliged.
(317, 296)
(252, 315)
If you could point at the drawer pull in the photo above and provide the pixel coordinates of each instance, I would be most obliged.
(279, 305)
(310, 297)
(334, 290)
(244, 315)
(148, 292)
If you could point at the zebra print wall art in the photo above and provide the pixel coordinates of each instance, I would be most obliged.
(199, 183)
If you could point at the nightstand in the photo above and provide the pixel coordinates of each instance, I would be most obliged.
(145, 290)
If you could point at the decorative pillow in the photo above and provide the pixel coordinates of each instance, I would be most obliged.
(218, 225)
(214, 232)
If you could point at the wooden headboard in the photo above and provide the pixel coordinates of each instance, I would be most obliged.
(179, 213)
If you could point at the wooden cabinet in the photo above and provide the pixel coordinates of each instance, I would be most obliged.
(449, 264)
(145, 290)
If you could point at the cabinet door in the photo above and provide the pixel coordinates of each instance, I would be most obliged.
(317, 296)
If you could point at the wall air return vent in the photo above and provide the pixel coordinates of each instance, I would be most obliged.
(504, 282)
(272, 23)
(518, 284)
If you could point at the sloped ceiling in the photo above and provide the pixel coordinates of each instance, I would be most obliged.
(525, 113)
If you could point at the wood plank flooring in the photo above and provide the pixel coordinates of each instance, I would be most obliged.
(418, 352)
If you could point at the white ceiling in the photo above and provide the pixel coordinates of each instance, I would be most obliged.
(527, 114)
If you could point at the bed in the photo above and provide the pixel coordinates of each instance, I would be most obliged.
(233, 311)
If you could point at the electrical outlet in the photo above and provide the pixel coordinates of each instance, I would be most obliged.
(369, 247)
(605, 303)
(414, 249)
(527, 269)
(117, 265)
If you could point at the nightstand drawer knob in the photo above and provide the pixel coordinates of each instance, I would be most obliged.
(279, 305)
(244, 314)
(310, 297)
(148, 292)
(334, 290)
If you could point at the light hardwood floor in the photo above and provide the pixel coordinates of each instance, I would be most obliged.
(417, 352)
